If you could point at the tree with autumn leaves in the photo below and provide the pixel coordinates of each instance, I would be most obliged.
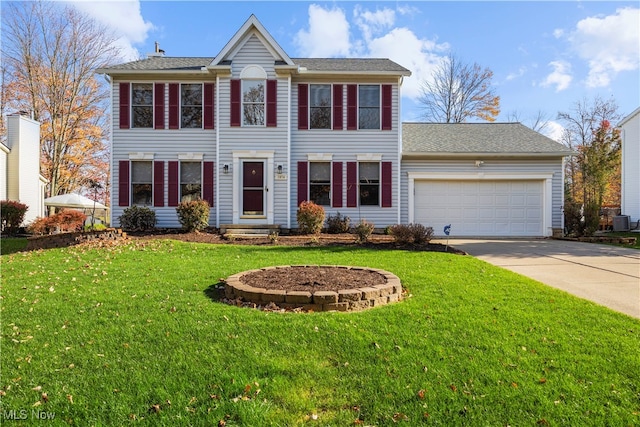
(50, 52)
(592, 176)
(457, 92)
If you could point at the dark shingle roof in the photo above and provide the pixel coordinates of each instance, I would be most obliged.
(350, 65)
(163, 63)
(477, 138)
(346, 65)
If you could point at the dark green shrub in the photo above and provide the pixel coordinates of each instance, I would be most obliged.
(11, 215)
(573, 218)
(338, 224)
(363, 230)
(136, 218)
(591, 218)
(310, 218)
(193, 215)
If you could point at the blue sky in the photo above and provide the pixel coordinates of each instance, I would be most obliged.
(545, 55)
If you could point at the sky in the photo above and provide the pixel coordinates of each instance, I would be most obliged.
(545, 55)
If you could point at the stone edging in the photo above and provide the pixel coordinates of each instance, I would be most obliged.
(355, 299)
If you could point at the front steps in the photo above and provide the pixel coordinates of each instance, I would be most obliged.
(248, 231)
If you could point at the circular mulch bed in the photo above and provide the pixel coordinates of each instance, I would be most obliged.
(313, 288)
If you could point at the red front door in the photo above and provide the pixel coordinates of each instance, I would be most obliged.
(253, 188)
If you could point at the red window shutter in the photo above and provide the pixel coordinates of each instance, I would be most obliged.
(123, 183)
(352, 107)
(336, 196)
(303, 106)
(207, 184)
(174, 189)
(174, 106)
(387, 181)
(158, 105)
(272, 103)
(386, 107)
(303, 178)
(337, 107)
(125, 104)
(209, 102)
(158, 183)
(236, 105)
(352, 184)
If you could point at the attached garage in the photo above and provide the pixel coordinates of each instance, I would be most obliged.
(485, 179)
(481, 207)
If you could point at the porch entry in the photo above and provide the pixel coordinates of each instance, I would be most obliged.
(253, 189)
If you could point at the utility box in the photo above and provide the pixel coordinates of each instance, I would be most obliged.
(621, 223)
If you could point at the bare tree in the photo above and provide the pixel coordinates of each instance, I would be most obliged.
(538, 122)
(50, 53)
(458, 92)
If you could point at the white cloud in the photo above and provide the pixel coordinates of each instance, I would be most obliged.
(560, 77)
(328, 34)
(609, 44)
(123, 18)
(554, 130)
(521, 71)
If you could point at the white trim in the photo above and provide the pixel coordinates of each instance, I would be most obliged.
(190, 156)
(319, 157)
(289, 118)
(217, 168)
(546, 178)
(238, 157)
(141, 156)
(369, 157)
(253, 72)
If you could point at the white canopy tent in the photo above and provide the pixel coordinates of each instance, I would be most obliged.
(77, 201)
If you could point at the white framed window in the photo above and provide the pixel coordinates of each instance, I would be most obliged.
(320, 106)
(141, 183)
(369, 107)
(253, 102)
(142, 105)
(320, 183)
(369, 183)
(190, 181)
(191, 105)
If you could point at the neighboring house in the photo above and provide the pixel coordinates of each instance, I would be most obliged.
(255, 132)
(20, 178)
(631, 166)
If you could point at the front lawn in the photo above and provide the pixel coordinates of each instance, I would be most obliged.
(115, 336)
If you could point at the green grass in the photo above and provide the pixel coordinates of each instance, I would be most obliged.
(107, 334)
(625, 234)
(9, 245)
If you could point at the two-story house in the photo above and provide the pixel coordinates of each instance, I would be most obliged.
(255, 132)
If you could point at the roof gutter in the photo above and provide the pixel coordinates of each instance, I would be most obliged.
(485, 155)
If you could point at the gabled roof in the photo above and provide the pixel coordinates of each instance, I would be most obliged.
(488, 139)
(252, 24)
(350, 65)
(161, 63)
(630, 116)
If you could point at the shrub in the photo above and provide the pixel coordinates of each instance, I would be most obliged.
(310, 218)
(69, 220)
(41, 225)
(96, 227)
(421, 234)
(136, 218)
(581, 220)
(193, 215)
(338, 224)
(11, 215)
(401, 233)
(363, 230)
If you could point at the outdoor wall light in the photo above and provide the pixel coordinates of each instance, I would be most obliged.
(479, 163)
(225, 169)
(280, 168)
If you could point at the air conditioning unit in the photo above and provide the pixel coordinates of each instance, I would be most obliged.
(621, 223)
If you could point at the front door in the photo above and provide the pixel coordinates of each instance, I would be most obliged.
(253, 189)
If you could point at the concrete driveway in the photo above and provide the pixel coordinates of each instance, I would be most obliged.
(607, 275)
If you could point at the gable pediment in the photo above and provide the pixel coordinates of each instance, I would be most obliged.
(252, 29)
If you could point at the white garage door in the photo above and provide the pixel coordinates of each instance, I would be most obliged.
(480, 208)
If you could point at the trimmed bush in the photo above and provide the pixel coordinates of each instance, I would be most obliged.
(11, 215)
(136, 218)
(69, 220)
(310, 218)
(41, 225)
(401, 233)
(338, 224)
(411, 233)
(363, 230)
(193, 215)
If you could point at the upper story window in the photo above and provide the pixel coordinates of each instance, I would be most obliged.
(319, 106)
(191, 105)
(253, 102)
(141, 183)
(369, 107)
(320, 183)
(142, 105)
